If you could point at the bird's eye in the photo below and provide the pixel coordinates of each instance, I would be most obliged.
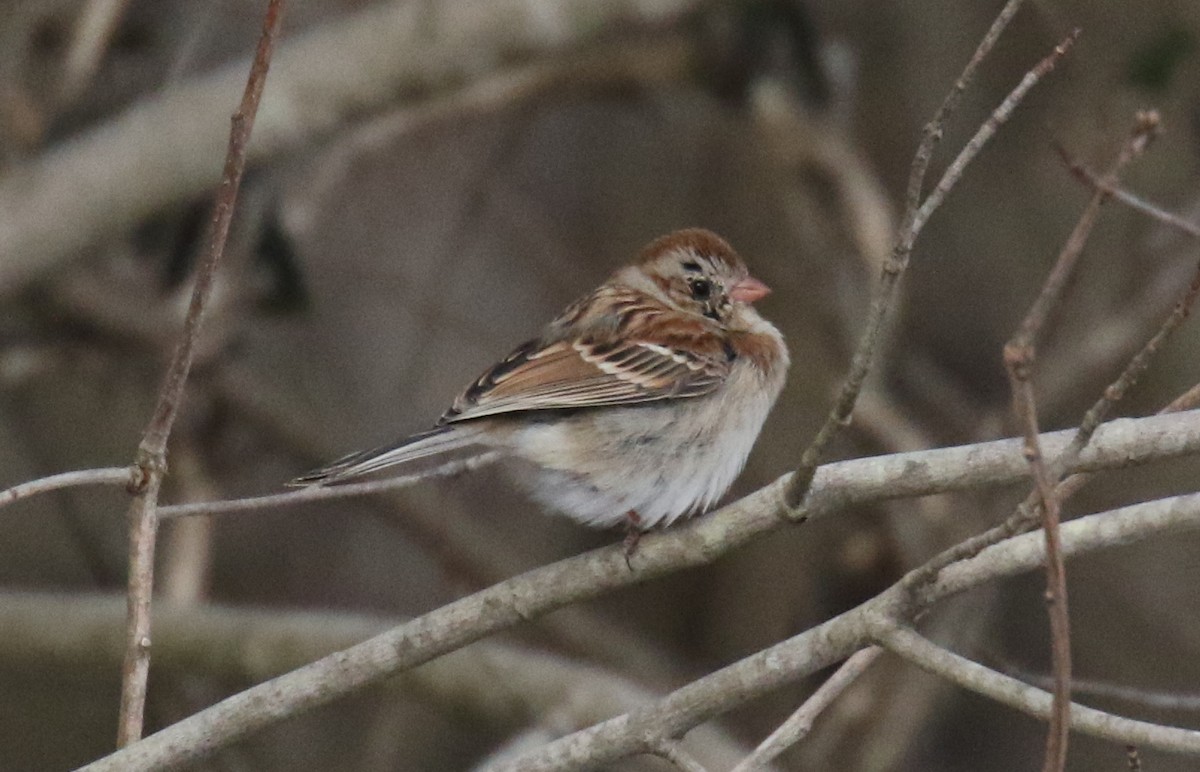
(701, 288)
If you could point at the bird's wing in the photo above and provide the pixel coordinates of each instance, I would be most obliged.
(668, 358)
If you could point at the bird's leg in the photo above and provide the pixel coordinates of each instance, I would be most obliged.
(633, 534)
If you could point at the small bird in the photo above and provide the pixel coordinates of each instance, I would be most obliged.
(638, 405)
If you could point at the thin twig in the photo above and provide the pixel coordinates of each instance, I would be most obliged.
(152, 451)
(313, 493)
(989, 128)
(1145, 698)
(1025, 407)
(674, 753)
(800, 723)
(1123, 196)
(117, 475)
(1135, 761)
(927, 655)
(915, 215)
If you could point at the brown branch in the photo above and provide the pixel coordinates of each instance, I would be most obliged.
(1018, 356)
(916, 214)
(152, 451)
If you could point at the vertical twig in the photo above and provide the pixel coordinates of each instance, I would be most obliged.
(152, 451)
(1018, 361)
(1019, 356)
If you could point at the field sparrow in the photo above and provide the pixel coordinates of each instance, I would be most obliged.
(638, 405)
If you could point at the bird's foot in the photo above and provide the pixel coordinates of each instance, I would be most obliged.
(633, 535)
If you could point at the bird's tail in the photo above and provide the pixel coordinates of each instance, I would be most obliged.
(441, 451)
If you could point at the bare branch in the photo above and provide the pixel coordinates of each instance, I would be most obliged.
(152, 451)
(118, 475)
(988, 129)
(800, 723)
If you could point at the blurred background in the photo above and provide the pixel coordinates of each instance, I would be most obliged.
(431, 182)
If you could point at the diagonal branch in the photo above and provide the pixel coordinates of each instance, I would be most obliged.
(152, 451)
(800, 723)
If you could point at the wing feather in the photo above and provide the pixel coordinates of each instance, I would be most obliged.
(668, 360)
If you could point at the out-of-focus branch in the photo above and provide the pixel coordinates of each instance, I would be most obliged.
(94, 28)
(161, 150)
(152, 451)
(55, 632)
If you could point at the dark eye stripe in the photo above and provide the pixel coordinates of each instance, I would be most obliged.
(691, 265)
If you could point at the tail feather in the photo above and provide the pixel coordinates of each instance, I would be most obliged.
(446, 447)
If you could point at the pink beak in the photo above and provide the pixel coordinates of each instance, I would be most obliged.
(749, 290)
